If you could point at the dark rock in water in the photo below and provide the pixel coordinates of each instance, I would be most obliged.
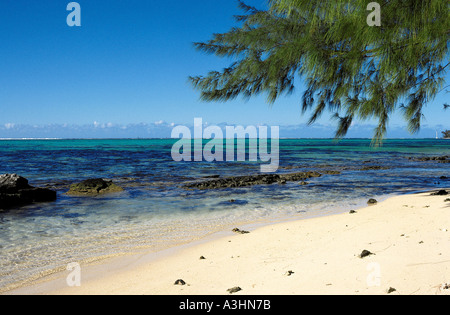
(93, 187)
(236, 230)
(443, 177)
(294, 177)
(289, 167)
(303, 183)
(211, 176)
(180, 282)
(440, 159)
(372, 201)
(234, 290)
(15, 191)
(11, 183)
(365, 253)
(373, 167)
(331, 172)
(243, 181)
(232, 202)
(440, 193)
(352, 212)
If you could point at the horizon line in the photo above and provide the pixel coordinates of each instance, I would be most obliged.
(167, 138)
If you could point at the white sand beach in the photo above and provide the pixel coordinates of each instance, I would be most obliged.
(408, 237)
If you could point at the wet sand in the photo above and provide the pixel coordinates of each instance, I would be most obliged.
(406, 239)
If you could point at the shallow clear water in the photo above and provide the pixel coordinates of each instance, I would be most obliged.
(154, 211)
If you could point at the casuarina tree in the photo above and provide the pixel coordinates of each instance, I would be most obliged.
(353, 68)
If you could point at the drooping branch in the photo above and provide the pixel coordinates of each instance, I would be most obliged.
(348, 67)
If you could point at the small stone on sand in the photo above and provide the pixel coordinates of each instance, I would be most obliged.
(236, 230)
(365, 253)
(179, 282)
(234, 290)
(391, 290)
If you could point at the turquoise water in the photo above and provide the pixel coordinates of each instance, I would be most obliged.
(154, 211)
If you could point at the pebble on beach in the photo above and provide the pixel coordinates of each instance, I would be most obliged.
(234, 290)
(391, 290)
(180, 282)
(365, 253)
(236, 230)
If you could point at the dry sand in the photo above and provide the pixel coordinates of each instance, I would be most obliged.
(409, 236)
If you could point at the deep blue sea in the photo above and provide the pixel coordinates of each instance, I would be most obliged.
(155, 212)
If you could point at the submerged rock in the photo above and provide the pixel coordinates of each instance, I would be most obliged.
(243, 181)
(439, 159)
(331, 172)
(92, 187)
(374, 167)
(15, 191)
(211, 176)
(233, 202)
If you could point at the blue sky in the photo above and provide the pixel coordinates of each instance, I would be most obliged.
(126, 68)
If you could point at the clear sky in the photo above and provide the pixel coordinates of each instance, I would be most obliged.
(127, 65)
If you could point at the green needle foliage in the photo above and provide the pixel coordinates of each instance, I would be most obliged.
(446, 134)
(354, 70)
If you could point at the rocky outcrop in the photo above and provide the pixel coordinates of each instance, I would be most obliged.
(15, 191)
(373, 168)
(331, 172)
(440, 193)
(439, 159)
(243, 181)
(93, 187)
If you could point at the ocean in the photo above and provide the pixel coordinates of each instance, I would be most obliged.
(155, 211)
